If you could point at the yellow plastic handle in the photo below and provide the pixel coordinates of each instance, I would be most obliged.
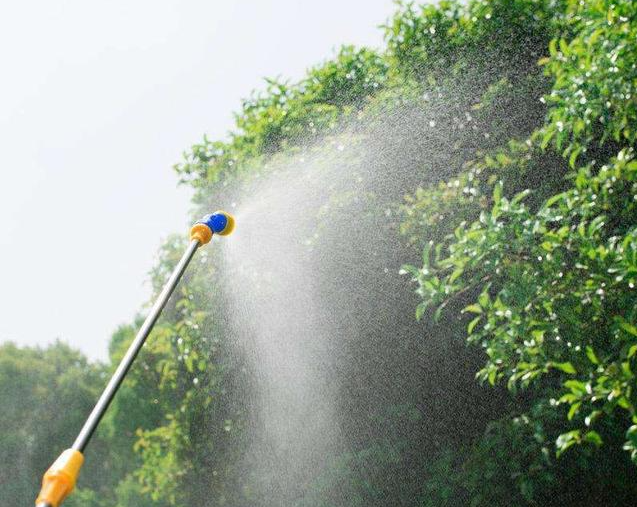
(59, 480)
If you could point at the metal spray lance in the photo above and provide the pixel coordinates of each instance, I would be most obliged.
(59, 480)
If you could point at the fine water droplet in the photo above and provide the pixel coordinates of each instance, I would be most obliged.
(432, 123)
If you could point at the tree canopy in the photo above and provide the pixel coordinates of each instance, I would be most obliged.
(511, 337)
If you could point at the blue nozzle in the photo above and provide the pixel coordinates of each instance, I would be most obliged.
(219, 222)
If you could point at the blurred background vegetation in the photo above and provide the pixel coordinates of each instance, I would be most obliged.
(519, 239)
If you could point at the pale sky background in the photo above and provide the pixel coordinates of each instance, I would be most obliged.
(97, 100)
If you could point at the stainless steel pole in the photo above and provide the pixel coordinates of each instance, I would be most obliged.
(59, 480)
(134, 348)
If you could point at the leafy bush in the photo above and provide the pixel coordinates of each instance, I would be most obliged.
(551, 287)
(524, 211)
(556, 290)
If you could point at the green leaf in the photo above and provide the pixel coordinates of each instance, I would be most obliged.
(473, 308)
(569, 398)
(407, 269)
(573, 410)
(538, 335)
(456, 274)
(628, 327)
(484, 299)
(497, 192)
(592, 417)
(420, 310)
(546, 138)
(593, 437)
(566, 440)
(564, 47)
(575, 386)
(552, 200)
(573, 158)
(426, 255)
(566, 367)
(547, 245)
(520, 196)
(590, 353)
(473, 324)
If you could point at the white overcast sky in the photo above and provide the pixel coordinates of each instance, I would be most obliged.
(97, 100)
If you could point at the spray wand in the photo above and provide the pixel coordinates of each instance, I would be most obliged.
(59, 480)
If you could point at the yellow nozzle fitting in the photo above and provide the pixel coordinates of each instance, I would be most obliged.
(201, 232)
(59, 480)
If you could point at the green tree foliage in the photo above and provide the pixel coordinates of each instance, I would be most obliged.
(545, 273)
(519, 234)
(593, 96)
(556, 291)
(34, 384)
(286, 115)
(192, 448)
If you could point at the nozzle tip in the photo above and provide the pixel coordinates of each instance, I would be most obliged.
(219, 222)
